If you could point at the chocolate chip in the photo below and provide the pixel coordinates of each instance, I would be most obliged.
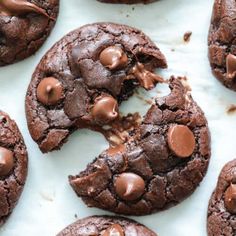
(181, 140)
(15, 8)
(112, 151)
(146, 78)
(6, 161)
(129, 186)
(49, 91)
(231, 66)
(113, 58)
(114, 230)
(230, 198)
(105, 109)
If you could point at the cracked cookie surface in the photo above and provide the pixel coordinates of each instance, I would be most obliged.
(162, 164)
(221, 42)
(13, 165)
(106, 226)
(222, 205)
(24, 26)
(83, 78)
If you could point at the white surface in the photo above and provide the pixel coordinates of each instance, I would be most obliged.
(48, 204)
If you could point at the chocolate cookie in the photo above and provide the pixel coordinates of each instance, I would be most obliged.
(222, 206)
(222, 43)
(13, 165)
(163, 162)
(82, 79)
(24, 26)
(128, 1)
(106, 226)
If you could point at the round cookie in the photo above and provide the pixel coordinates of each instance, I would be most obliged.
(82, 79)
(222, 43)
(24, 26)
(221, 214)
(106, 226)
(128, 1)
(13, 165)
(163, 162)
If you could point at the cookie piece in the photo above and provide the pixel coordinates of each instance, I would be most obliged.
(221, 215)
(106, 226)
(24, 26)
(128, 1)
(82, 79)
(13, 165)
(222, 43)
(162, 164)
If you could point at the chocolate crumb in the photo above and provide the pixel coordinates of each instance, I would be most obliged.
(231, 109)
(187, 36)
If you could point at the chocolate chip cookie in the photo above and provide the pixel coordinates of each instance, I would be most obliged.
(106, 226)
(13, 165)
(81, 81)
(222, 205)
(163, 162)
(128, 1)
(24, 26)
(222, 43)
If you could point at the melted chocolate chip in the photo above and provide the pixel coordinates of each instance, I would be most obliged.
(19, 7)
(230, 198)
(49, 91)
(112, 151)
(146, 78)
(114, 230)
(105, 109)
(181, 140)
(231, 66)
(113, 58)
(6, 161)
(129, 186)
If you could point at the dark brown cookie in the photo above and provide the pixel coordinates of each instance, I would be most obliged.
(163, 162)
(13, 165)
(82, 79)
(221, 216)
(24, 26)
(222, 43)
(128, 1)
(106, 226)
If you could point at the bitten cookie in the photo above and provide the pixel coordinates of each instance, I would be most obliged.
(222, 44)
(106, 226)
(221, 215)
(24, 26)
(13, 165)
(162, 164)
(128, 1)
(82, 79)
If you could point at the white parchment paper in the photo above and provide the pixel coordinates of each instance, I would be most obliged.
(48, 204)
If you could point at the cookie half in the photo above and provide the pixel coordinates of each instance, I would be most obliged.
(106, 226)
(24, 26)
(84, 77)
(221, 215)
(13, 165)
(222, 43)
(163, 162)
(128, 1)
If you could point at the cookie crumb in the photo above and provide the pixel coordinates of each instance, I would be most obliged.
(187, 36)
(231, 109)
(184, 80)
